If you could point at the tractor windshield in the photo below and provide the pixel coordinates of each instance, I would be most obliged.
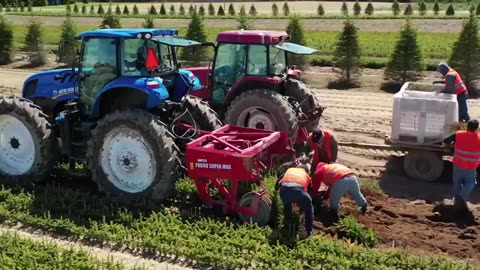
(277, 61)
(134, 55)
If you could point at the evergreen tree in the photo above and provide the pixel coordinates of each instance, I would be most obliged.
(68, 34)
(6, 41)
(15, 6)
(465, 57)
(111, 20)
(148, 22)
(118, 11)
(135, 10)
(274, 9)
(297, 35)
(211, 9)
(152, 10)
(220, 12)
(242, 10)
(244, 23)
(347, 52)
(201, 11)
(126, 11)
(22, 7)
(75, 9)
(29, 6)
(478, 10)
(68, 9)
(92, 9)
(357, 9)
(181, 11)
(405, 63)
(8, 8)
(252, 11)
(1, 8)
(320, 10)
(100, 9)
(450, 11)
(344, 9)
(286, 9)
(34, 43)
(231, 10)
(436, 8)
(191, 10)
(195, 31)
(163, 11)
(109, 10)
(172, 10)
(84, 9)
(422, 7)
(408, 10)
(369, 9)
(395, 8)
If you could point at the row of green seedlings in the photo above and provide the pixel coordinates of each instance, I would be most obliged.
(20, 252)
(171, 230)
(422, 9)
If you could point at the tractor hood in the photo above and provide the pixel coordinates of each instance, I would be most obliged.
(56, 84)
(295, 48)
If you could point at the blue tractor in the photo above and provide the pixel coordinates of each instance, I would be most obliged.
(124, 111)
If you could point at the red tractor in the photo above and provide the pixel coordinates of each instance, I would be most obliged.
(251, 85)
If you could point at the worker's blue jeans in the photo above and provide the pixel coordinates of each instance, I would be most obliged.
(464, 182)
(348, 184)
(463, 108)
(299, 196)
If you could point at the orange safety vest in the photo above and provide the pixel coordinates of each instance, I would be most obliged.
(467, 150)
(460, 87)
(327, 144)
(297, 175)
(335, 172)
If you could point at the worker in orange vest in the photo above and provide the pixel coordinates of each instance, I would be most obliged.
(466, 159)
(454, 85)
(294, 185)
(324, 146)
(340, 180)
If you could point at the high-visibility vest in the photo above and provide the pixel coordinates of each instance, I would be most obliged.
(460, 87)
(335, 172)
(467, 150)
(327, 144)
(296, 175)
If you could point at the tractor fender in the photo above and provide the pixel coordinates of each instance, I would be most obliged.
(124, 88)
(252, 82)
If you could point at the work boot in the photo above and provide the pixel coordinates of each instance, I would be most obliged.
(363, 210)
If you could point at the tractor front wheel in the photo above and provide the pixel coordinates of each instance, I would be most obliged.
(26, 141)
(131, 154)
(263, 109)
(302, 94)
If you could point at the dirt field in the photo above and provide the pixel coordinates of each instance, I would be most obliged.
(426, 25)
(409, 216)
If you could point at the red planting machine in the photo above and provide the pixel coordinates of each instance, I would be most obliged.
(231, 155)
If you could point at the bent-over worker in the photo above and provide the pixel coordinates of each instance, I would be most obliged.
(466, 159)
(324, 145)
(293, 186)
(454, 85)
(340, 180)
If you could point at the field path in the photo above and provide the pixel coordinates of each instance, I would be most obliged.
(128, 260)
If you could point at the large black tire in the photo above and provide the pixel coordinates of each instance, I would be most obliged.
(264, 211)
(266, 102)
(146, 143)
(27, 129)
(299, 91)
(423, 165)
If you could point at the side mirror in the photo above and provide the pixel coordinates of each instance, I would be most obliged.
(179, 65)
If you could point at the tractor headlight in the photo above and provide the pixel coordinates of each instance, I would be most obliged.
(148, 35)
(139, 35)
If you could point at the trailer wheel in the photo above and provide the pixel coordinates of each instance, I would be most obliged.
(131, 154)
(26, 141)
(263, 109)
(423, 165)
(299, 91)
(262, 218)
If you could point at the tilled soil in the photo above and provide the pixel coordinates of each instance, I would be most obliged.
(408, 216)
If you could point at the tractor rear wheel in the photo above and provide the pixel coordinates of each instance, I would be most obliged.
(131, 154)
(301, 93)
(263, 109)
(26, 140)
(264, 211)
(423, 165)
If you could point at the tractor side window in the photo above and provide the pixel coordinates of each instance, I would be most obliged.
(229, 68)
(133, 56)
(166, 57)
(277, 61)
(257, 60)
